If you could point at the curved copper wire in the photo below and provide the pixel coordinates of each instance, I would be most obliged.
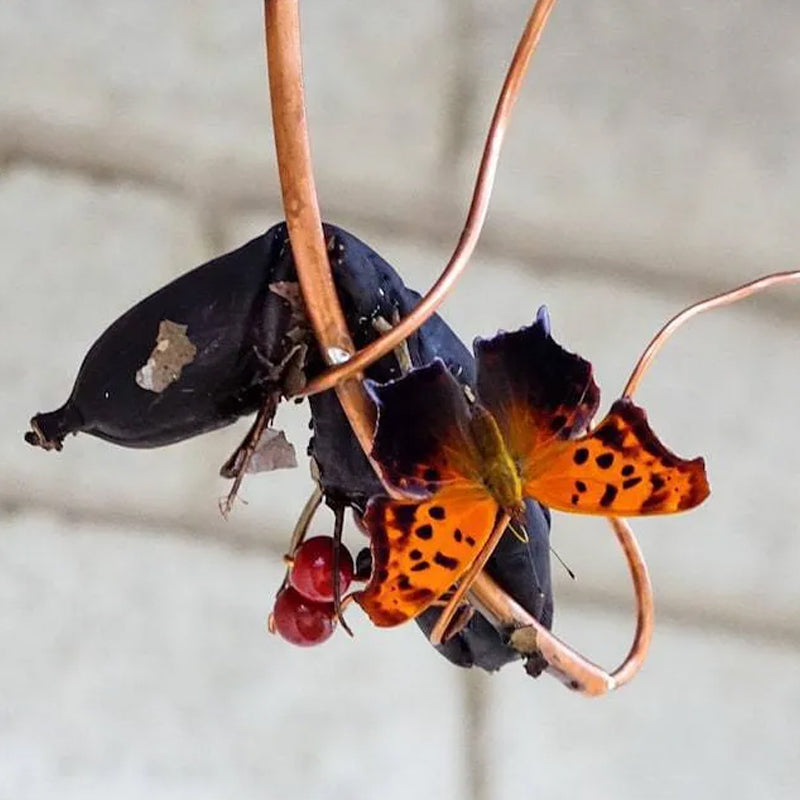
(285, 74)
(305, 233)
(475, 217)
(570, 667)
(645, 613)
(724, 299)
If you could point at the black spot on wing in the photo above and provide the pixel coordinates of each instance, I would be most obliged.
(608, 496)
(605, 460)
(424, 532)
(656, 500)
(445, 561)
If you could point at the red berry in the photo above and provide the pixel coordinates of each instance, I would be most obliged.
(312, 569)
(301, 621)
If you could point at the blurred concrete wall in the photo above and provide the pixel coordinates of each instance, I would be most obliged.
(653, 159)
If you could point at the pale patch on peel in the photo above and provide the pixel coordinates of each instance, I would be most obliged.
(173, 351)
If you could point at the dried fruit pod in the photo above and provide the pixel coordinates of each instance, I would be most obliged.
(244, 320)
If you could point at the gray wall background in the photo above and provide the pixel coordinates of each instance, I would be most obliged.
(653, 159)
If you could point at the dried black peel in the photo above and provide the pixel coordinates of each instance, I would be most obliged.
(237, 326)
(243, 333)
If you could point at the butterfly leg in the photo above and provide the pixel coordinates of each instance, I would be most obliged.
(401, 353)
(461, 617)
(464, 613)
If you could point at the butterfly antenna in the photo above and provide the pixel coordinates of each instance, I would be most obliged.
(338, 524)
(563, 563)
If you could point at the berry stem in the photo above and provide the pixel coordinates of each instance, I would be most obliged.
(338, 525)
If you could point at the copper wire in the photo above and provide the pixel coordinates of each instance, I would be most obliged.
(305, 233)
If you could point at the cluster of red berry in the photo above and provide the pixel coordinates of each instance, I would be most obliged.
(304, 613)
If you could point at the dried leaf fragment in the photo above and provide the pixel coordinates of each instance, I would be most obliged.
(273, 451)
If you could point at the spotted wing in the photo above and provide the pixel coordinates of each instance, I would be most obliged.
(422, 441)
(419, 550)
(621, 469)
(536, 390)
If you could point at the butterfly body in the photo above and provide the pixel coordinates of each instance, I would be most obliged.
(461, 462)
(498, 472)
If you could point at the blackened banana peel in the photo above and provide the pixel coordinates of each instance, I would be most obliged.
(247, 333)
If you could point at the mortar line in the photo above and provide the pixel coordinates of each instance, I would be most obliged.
(459, 109)
(242, 538)
(476, 708)
(552, 256)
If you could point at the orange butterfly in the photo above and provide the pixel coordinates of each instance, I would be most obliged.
(461, 462)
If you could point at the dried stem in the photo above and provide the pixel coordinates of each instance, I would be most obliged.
(304, 520)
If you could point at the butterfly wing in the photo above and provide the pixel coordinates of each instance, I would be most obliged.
(536, 390)
(419, 550)
(422, 439)
(621, 469)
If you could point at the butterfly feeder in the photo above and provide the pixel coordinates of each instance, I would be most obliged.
(450, 464)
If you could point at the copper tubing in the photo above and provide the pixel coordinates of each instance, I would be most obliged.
(305, 233)
(285, 73)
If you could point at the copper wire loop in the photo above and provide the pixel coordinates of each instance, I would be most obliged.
(305, 233)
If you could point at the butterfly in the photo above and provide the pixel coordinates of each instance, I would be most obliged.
(457, 461)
